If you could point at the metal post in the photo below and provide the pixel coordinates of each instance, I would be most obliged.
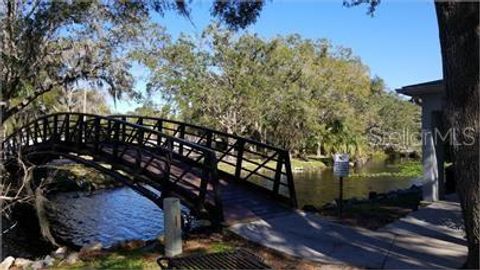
(291, 183)
(80, 130)
(55, 127)
(173, 227)
(116, 138)
(67, 127)
(96, 132)
(45, 129)
(159, 129)
(238, 167)
(209, 139)
(124, 129)
(181, 136)
(278, 174)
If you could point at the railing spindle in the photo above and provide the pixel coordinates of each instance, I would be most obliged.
(80, 130)
(35, 128)
(238, 167)
(278, 174)
(116, 137)
(181, 136)
(159, 129)
(55, 127)
(209, 138)
(124, 130)
(288, 168)
(96, 133)
(140, 132)
(45, 128)
(66, 121)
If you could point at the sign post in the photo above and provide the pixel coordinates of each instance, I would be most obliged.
(340, 169)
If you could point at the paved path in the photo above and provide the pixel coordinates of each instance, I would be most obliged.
(431, 237)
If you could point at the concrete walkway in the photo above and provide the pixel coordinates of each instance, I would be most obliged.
(431, 237)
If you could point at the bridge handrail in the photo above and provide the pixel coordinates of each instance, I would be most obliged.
(271, 147)
(239, 151)
(94, 131)
(175, 139)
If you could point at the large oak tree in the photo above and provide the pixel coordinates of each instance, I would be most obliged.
(458, 24)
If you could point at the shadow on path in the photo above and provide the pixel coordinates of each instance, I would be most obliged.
(431, 237)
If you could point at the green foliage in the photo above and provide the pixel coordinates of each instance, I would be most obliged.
(74, 177)
(116, 260)
(221, 247)
(413, 168)
(304, 95)
(405, 169)
(60, 45)
(149, 108)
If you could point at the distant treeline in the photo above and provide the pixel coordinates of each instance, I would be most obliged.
(307, 96)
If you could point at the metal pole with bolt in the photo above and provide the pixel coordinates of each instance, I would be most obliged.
(173, 227)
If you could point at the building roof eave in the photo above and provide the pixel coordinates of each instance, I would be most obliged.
(426, 88)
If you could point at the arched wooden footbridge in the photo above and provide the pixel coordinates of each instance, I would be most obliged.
(220, 176)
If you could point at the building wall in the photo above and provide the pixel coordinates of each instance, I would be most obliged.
(430, 103)
(432, 156)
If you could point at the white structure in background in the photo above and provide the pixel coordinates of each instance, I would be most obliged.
(431, 97)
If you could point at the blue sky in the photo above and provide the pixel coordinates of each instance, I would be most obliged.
(400, 43)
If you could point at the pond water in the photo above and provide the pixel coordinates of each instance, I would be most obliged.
(106, 216)
(321, 186)
(110, 216)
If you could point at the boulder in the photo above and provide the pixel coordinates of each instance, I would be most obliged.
(60, 253)
(37, 265)
(21, 263)
(90, 250)
(6, 263)
(48, 260)
(41, 264)
(91, 247)
(72, 258)
(132, 245)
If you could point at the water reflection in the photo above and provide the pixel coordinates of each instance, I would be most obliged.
(320, 187)
(107, 216)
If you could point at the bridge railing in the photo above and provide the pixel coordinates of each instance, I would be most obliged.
(260, 165)
(149, 151)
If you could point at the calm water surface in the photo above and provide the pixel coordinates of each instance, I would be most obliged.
(320, 187)
(106, 216)
(110, 216)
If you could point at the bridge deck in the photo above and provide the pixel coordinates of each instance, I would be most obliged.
(239, 202)
(174, 158)
(242, 204)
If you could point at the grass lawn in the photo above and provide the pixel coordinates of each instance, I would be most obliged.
(74, 176)
(115, 260)
(311, 163)
(197, 244)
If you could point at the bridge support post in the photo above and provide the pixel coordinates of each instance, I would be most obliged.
(238, 167)
(173, 227)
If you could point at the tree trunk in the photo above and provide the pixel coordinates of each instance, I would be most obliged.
(458, 26)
